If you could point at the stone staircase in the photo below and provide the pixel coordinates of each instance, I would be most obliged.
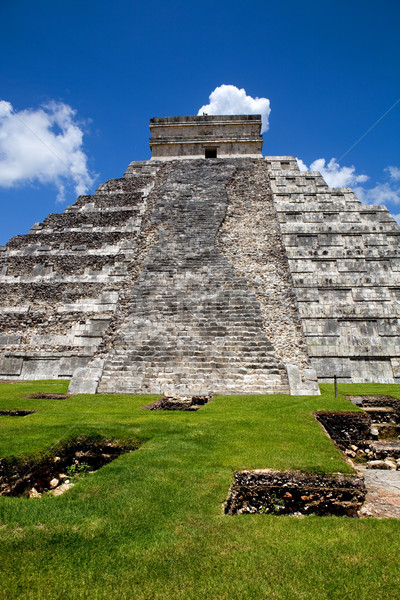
(194, 326)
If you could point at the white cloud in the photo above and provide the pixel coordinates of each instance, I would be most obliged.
(43, 145)
(397, 218)
(386, 193)
(302, 166)
(333, 173)
(230, 100)
(5, 108)
(394, 172)
(382, 193)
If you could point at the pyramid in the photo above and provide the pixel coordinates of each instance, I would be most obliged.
(207, 269)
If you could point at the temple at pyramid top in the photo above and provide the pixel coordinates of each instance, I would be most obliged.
(208, 136)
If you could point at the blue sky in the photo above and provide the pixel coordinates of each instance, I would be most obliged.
(80, 80)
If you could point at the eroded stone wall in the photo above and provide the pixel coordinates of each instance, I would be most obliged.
(250, 238)
(188, 137)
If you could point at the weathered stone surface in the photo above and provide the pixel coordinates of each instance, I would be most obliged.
(344, 260)
(383, 493)
(210, 135)
(196, 276)
(64, 284)
(250, 239)
(10, 366)
(302, 383)
(86, 380)
(194, 326)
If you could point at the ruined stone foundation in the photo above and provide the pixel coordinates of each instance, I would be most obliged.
(200, 276)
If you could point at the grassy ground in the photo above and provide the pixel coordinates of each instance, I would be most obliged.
(150, 525)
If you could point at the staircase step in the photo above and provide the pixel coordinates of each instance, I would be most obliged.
(192, 322)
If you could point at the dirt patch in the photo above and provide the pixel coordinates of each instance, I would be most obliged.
(288, 492)
(378, 404)
(16, 413)
(59, 468)
(187, 403)
(345, 428)
(49, 396)
(365, 437)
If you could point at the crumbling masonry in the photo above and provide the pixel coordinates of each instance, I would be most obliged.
(207, 269)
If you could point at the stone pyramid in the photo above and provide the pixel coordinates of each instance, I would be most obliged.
(207, 269)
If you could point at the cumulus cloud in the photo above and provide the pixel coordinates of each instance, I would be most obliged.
(394, 172)
(302, 165)
(43, 145)
(396, 218)
(333, 173)
(381, 193)
(386, 192)
(230, 100)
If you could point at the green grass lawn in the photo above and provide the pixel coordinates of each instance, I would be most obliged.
(150, 525)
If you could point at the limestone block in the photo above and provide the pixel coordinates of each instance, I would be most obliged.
(69, 364)
(357, 370)
(14, 309)
(51, 340)
(368, 371)
(10, 365)
(96, 327)
(302, 383)
(86, 380)
(395, 362)
(327, 367)
(10, 339)
(40, 368)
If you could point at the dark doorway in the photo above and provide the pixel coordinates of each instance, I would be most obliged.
(210, 153)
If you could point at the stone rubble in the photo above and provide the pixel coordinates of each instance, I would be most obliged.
(289, 492)
(47, 474)
(185, 403)
(372, 459)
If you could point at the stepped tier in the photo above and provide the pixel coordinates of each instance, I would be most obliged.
(231, 275)
(345, 265)
(64, 281)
